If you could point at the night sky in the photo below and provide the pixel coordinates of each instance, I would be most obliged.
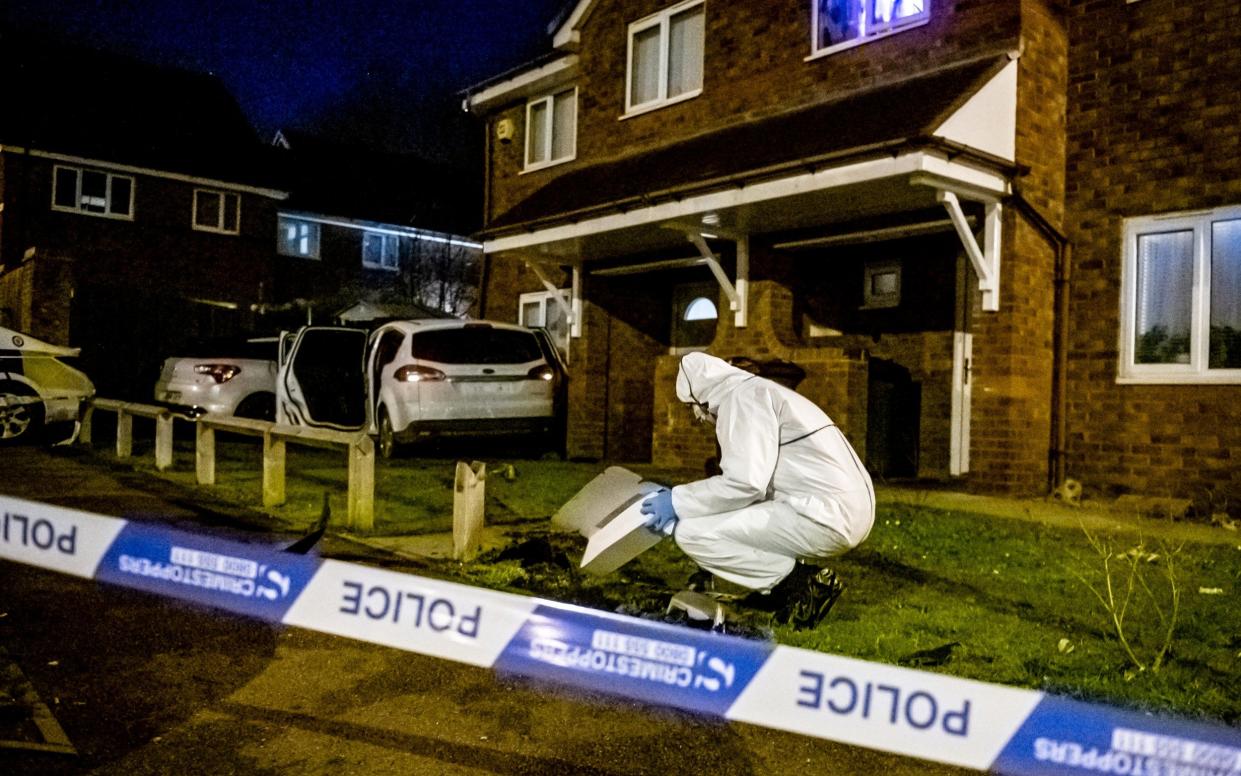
(383, 73)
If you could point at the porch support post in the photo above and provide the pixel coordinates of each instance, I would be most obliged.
(575, 317)
(985, 259)
(741, 311)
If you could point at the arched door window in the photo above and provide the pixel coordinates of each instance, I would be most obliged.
(694, 314)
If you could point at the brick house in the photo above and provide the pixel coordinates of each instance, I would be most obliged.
(381, 229)
(943, 211)
(137, 209)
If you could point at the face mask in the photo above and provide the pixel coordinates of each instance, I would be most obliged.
(702, 414)
(699, 408)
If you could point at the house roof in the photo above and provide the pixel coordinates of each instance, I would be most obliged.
(363, 184)
(870, 121)
(84, 103)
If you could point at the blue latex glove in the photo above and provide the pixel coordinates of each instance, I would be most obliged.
(661, 517)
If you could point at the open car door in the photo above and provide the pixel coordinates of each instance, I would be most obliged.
(322, 379)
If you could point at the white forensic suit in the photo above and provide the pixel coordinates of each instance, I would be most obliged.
(792, 486)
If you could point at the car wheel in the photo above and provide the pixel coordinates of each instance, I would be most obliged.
(21, 413)
(387, 437)
(258, 406)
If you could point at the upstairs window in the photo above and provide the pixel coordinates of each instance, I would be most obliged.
(297, 237)
(839, 24)
(665, 57)
(381, 251)
(1181, 299)
(93, 192)
(217, 211)
(551, 129)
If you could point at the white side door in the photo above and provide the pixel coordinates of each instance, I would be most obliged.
(322, 379)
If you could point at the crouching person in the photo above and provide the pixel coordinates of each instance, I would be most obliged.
(791, 493)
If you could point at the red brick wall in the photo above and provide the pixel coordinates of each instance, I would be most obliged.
(835, 379)
(1012, 366)
(754, 66)
(1152, 129)
(157, 249)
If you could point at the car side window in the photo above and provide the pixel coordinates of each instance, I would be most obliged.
(389, 345)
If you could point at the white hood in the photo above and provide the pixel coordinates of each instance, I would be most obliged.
(706, 380)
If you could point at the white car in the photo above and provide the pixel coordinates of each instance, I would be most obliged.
(36, 387)
(417, 378)
(223, 377)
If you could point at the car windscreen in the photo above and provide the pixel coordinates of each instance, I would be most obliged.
(476, 345)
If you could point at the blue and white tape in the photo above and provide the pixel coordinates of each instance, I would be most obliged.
(914, 713)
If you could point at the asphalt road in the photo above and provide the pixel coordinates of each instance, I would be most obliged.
(145, 685)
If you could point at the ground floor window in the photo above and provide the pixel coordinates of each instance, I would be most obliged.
(540, 310)
(1181, 298)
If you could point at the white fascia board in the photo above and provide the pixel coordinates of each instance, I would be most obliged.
(524, 84)
(568, 34)
(174, 176)
(805, 183)
(988, 120)
(380, 228)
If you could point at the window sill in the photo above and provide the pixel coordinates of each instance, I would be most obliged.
(653, 106)
(545, 165)
(209, 230)
(299, 256)
(75, 211)
(367, 265)
(1214, 377)
(862, 41)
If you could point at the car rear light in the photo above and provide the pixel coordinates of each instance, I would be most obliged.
(544, 372)
(418, 374)
(221, 373)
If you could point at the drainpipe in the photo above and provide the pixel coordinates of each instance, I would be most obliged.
(1057, 463)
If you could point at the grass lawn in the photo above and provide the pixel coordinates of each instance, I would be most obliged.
(998, 600)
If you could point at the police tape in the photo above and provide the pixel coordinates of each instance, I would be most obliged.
(907, 712)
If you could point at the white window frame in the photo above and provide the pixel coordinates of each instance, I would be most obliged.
(873, 301)
(313, 234)
(219, 219)
(386, 240)
(892, 28)
(77, 194)
(1197, 370)
(662, 20)
(550, 119)
(545, 299)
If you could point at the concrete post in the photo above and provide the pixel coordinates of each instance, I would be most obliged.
(273, 469)
(163, 441)
(468, 493)
(204, 454)
(88, 422)
(124, 434)
(361, 512)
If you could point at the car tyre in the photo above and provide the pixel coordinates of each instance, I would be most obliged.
(387, 436)
(19, 420)
(258, 406)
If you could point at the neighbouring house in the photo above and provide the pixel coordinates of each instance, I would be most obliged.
(381, 229)
(137, 209)
(1002, 238)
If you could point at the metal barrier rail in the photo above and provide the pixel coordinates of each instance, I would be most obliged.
(360, 512)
